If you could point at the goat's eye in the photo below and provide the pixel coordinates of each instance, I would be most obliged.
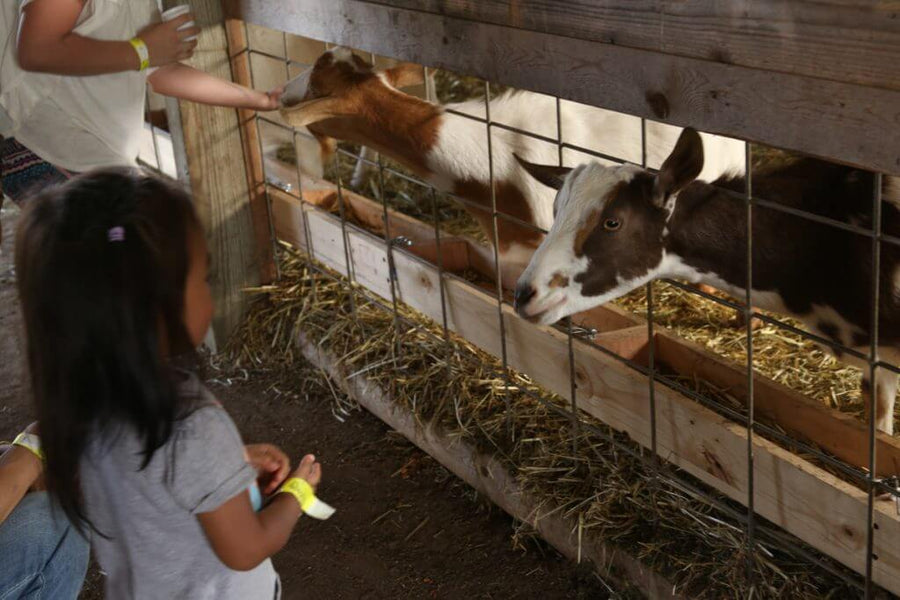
(612, 224)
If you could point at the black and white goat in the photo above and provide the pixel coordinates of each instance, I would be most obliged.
(616, 228)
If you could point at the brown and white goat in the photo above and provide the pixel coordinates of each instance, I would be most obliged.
(616, 228)
(342, 97)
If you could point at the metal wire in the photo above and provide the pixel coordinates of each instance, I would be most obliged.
(873, 395)
(570, 335)
(748, 323)
(651, 339)
(498, 269)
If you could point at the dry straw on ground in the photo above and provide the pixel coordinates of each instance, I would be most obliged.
(574, 471)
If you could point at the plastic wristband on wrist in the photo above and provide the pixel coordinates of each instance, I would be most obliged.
(30, 442)
(306, 498)
(143, 53)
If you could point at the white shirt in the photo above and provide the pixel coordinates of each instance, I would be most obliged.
(78, 123)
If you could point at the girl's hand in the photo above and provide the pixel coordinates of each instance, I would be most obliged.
(166, 44)
(269, 100)
(309, 470)
(270, 463)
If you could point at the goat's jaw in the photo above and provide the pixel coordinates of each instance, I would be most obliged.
(545, 312)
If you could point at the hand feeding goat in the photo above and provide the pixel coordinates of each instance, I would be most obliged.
(342, 97)
(616, 228)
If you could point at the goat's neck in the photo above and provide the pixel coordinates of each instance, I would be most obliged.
(401, 126)
(705, 239)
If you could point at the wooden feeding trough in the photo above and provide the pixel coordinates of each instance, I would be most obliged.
(710, 70)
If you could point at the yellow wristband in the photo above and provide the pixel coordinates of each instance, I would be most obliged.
(30, 442)
(143, 53)
(306, 498)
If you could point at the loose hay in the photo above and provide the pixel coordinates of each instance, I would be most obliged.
(779, 354)
(457, 388)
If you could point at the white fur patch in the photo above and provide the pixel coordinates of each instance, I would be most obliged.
(342, 54)
(461, 152)
(673, 267)
(826, 314)
(891, 190)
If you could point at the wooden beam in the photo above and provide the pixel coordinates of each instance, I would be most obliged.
(218, 178)
(853, 42)
(487, 475)
(823, 511)
(839, 121)
(256, 176)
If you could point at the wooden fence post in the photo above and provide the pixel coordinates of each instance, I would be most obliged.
(239, 244)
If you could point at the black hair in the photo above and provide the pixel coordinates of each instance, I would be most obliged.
(101, 264)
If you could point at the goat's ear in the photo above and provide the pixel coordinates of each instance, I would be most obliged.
(313, 111)
(682, 166)
(405, 75)
(549, 175)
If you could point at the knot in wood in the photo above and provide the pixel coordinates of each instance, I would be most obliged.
(659, 104)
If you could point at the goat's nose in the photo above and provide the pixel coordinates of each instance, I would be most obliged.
(524, 293)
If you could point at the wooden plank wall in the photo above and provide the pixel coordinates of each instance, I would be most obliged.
(853, 42)
(840, 120)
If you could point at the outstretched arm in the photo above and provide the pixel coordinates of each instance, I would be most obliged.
(188, 83)
(242, 538)
(47, 43)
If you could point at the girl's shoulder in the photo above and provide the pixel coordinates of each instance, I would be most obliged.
(192, 393)
(198, 407)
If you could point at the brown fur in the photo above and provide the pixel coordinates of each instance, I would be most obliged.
(405, 128)
(585, 231)
(559, 281)
(366, 111)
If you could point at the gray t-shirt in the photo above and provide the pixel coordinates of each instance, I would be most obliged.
(156, 547)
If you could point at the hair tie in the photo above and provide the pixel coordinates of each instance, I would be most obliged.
(116, 234)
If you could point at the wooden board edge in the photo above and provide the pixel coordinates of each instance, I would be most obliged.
(711, 96)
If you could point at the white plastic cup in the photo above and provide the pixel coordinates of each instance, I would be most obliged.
(177, 11)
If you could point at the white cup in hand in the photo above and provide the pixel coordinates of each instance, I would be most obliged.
(177, 11)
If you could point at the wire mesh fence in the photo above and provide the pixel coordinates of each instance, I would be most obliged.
(758, 534)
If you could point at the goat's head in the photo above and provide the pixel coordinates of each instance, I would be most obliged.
(338, 87)
(608, 231)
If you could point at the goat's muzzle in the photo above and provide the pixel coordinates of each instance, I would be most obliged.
(523, 295)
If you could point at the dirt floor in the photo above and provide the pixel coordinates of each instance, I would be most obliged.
(405, 527)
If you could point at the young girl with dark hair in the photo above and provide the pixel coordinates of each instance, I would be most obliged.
(112, 280)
